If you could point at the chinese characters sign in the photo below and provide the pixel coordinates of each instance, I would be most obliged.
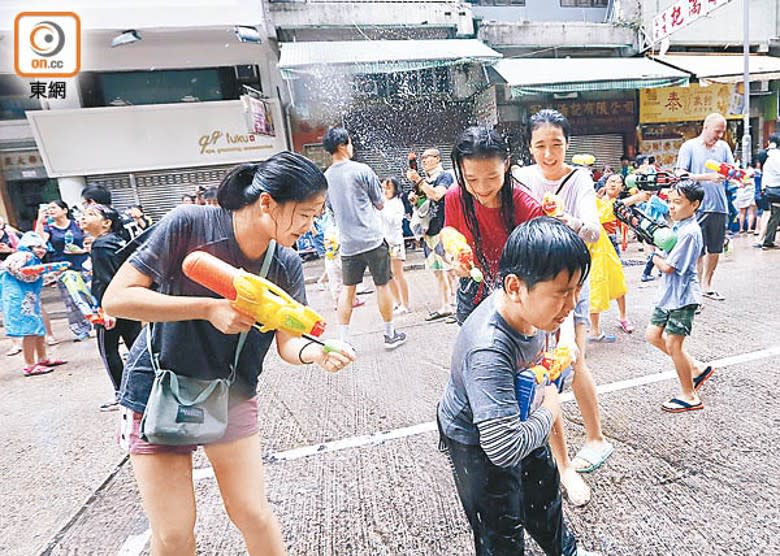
(686, 104)
(680, 14)
(593, 116)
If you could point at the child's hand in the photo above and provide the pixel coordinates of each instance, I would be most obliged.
(552, 401)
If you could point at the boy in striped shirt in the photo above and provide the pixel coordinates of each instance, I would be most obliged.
(504, 472)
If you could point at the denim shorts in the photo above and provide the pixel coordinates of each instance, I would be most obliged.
(242, 422)
(582, 309)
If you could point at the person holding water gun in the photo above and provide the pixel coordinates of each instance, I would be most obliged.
(485, 207)
(503, 468)
(21, 302)
(104, 224)
(56, 226)
(196, 333)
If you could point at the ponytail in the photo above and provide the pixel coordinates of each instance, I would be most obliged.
(286, 176)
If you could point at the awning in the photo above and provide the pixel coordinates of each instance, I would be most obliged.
(724, 68)
(381, 56)
(528, 76)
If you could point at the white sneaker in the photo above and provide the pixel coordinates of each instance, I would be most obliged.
(400, 310)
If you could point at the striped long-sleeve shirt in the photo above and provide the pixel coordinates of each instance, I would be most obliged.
(507, 440)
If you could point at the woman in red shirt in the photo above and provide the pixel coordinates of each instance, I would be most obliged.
(485, 207)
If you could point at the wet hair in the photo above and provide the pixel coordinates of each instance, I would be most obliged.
(483, 143)
(540, 249)
(691, 190)
(775, 138)
(286, 176)
(548, 116)
(395, 183)
(334, 138)
(111, 215)
(210, 193)
(97, 194)
(64, 206)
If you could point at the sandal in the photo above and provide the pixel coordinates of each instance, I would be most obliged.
(52, 341)
(704, 376)
(16, 350)
(712, 294)
(676, 405)
(603, 338)
(52, 362)
(592, 457)
(37, 369)
(627, 327)
(576, 489)
(436, 315)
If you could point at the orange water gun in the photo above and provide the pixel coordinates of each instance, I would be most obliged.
(552, 365)
(271, 307)
(729, 171)
(552, 204)
(456, 246)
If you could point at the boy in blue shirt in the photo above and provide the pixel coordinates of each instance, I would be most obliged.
(680, 296)
(504, 472)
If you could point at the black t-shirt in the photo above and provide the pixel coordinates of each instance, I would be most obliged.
(445, 180)
(105, 262)
(195, 348)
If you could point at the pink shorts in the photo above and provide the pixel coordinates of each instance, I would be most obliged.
(242, 422)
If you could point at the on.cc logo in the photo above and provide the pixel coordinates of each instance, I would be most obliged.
(47, 39)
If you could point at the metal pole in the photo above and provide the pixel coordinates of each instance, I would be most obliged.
(746, 142)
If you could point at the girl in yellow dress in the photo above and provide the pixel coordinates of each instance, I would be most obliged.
(607, 281)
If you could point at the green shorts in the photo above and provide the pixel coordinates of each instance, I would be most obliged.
(677, 322)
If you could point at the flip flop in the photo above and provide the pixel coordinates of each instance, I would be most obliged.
(627, 327)
(52, 362)
(704, 376)
(676, 405)
(712, 294)
(37, 369)
(16, 350)
(436, 315)
(593, 457)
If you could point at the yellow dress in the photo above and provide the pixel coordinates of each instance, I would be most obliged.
(607, 281)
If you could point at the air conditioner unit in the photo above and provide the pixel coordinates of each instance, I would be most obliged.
(759, 87)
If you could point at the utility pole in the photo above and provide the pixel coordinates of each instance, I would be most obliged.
(746, 141)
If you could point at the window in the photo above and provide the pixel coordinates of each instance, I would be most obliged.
(166, 86)
(584, 3)
(15, 98)
(499, 2)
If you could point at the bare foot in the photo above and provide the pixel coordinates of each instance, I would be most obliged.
(577, 491)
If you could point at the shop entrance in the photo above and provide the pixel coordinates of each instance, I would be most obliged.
(25, 198)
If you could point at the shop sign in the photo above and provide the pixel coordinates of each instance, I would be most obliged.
(688, 104)
(681, 14)
(593, 116)
(22, 160)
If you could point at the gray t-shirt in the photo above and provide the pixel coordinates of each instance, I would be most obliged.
(194, 348)
(692, 156)
(354, 193)
(488, 355)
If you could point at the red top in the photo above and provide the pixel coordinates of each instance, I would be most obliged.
(491, 227)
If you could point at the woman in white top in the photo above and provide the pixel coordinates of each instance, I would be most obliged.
(392, 221)
(549, 132)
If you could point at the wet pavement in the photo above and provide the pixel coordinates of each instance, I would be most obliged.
(690, 484)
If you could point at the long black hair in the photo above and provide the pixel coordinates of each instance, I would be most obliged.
(394, 181)
(483, 143)
(64, 206)
(286, 176)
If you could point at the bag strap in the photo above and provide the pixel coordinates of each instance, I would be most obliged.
(560, 187)
(266, 266)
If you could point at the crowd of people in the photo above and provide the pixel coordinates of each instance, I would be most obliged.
(546, 278)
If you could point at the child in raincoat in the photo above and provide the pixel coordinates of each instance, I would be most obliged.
(21, 299)
(607, 281)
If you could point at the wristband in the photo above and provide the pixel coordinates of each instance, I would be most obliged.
(300, 353)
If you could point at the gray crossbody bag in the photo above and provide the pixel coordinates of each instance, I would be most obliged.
(183, 410)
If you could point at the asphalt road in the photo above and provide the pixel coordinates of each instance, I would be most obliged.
(690, 484)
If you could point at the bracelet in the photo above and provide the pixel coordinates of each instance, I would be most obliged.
(300, 353)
